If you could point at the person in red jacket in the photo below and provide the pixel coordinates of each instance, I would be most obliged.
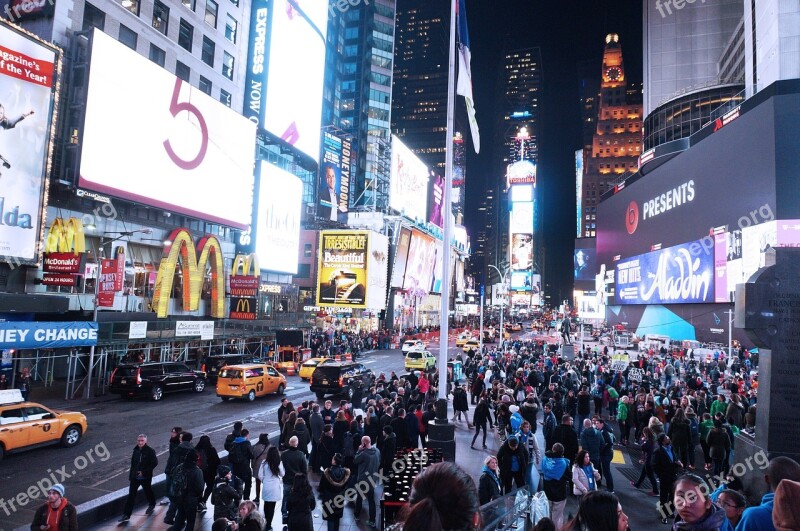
(57, 514)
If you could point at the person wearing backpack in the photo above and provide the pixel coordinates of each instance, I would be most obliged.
(239, 457)
(207, 462)
(227, 493)
(187, 487)
(176, 457)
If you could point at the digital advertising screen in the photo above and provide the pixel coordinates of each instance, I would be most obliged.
(680, 274)
(28, 84)
(401, 257)
(520, 281)
(521, 218)
(343, 258)
(378, 267)
(408, 189)
(521, 172)
(292, 108)
(584, 263)
(521, 252)
(521, 193)
(277, 234)
(436, 200)
(579, 190)
(421, 259)
(175, 148)
(334, 178)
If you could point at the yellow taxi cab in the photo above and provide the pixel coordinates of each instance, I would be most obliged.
(472, 344)
(25, 425)
(249, 380)
(462, 338)
(308, 366)
(421, 359)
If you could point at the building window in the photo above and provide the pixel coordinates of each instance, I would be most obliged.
(128, 37)
(132, 6)
(231, 28)
(185, 35)
(160, 17)
(189, 4)
(227, 65)
(182, 71)
(157, 55)
(225, 97)
(93, 17)
(205, 85)
(208, 51)
(235, 2)
(307, 250)
(212, 8)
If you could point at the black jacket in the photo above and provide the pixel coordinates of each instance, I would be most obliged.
(488, 489)
(504, 459)
(195, 484)
(481, 415)
(332, 484)
(143, 460)
(387, 452)
(568, 437)
(666, 469)
(401, 432)
(178, 455)
(294, 462)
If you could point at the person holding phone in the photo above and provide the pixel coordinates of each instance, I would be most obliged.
(57, 513)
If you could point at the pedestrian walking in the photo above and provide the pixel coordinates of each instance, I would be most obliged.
(208, 462)
(480, 417)
(140, 474)
(666, 468)
(188, 485)
(332, 484)
(556, 475)
(259, 454)
(648, 447)
(240, 457)
(176, 458)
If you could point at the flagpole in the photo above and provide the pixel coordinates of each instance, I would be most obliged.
(448, 206)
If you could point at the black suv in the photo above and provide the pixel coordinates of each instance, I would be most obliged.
(155, 379)
(212, 364)
(338, 377)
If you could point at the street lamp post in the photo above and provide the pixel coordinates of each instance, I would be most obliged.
(502, 300)
(87, 392)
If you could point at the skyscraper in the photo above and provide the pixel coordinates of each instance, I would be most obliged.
(616, 144)
(521, 88)
(358, 93)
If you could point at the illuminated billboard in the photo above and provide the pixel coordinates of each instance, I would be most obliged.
(408, 190)
(378, 267)
(520, 281)
(680, 274)
(174, 147)
(521, 251)
(28, 83)
(334, 178)
(436, 200)
(342, 273)
(522, 172)
(280, 97)
(421, 260)
(401, 257)
(521, 218)
(278, 220)
(579, 190)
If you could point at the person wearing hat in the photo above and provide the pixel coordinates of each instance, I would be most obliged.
(227, 493)
(57, 513)
(388, 448)
(513, 462)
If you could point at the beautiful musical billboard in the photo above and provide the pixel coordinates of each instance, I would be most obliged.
(408, 189)
(172, 147)
(342, 272)
(28, 84)
(680, 274)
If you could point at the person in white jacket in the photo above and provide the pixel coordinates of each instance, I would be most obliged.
(271, 475)
(584, 474)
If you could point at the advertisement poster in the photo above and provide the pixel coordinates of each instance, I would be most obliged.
(521, 218)
(421, 260)
(520, 280)
(334, 182)
(401, 258)
(435, 200)
(680, 274)
(408, 189)
(108, 280)
(521, 252)
(378, 267)
(343, 268)
(173, 142)
(584, 263)
(280, 202)
(27, 86)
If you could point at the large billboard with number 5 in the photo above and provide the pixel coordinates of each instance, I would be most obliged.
(152, 138)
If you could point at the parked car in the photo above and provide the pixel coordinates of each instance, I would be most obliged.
(27, 425)
(413, 344)
(249, 380)
(155, 379)
(423, 360)
(339, 377)
(212, 364)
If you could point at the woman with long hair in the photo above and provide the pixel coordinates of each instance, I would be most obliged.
(680, 434)
(208, 463)
(271, 475)
(599, 510)
(443, 496)
(648, 446)
(259, 454)
(299, 504)
(584, 474)
(288, 428)
(249, 517)
(332, 484)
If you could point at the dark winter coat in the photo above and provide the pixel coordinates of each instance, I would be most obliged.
(568, 437)
(143, 460)
(300, 508)
(460, 402)
(332, 484)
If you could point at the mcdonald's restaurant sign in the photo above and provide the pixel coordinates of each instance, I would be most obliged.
(193, 263)
(244, 308)
(242, 283)
(64, 252)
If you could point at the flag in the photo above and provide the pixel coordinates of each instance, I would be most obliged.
(464, 83)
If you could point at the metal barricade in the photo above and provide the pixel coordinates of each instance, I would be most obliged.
(511, 511)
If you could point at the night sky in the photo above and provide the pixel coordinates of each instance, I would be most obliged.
(568, 32)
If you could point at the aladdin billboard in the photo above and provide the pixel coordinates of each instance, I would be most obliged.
(29, 78)
(342, 272)
(173, 147)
